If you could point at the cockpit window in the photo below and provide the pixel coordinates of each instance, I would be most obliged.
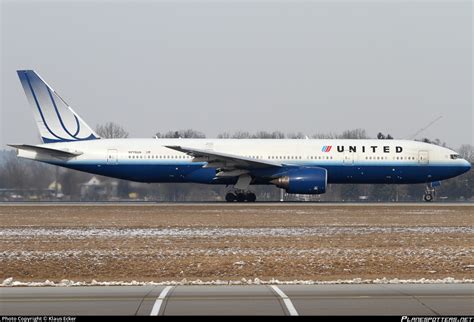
(455, 156)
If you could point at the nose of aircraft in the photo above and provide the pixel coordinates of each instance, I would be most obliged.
(466, 166)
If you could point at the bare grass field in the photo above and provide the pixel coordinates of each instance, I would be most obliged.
(231, 242)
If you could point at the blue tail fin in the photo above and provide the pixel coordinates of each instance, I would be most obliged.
(56, 121)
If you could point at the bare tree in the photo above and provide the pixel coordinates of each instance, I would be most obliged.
(14, 172)
(111, 130)
(19, 173)
(382, 136)
(224, 135)
(248, 135)
(278, 135)
(268, 135)
(184, 134)
(324, 136)
(467, 152)
(358, 134)
(241, 135)
(348, 134)
(435, 141)
(298, 135)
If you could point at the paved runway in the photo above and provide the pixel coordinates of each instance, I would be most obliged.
(235, 204)
(390, 299)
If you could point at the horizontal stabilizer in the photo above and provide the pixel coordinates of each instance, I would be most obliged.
(57, 153)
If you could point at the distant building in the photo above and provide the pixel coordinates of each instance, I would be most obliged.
(56, 189)
(95, 189)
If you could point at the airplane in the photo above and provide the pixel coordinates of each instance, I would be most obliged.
(304, 166)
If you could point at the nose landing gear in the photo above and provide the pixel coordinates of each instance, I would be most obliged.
(430, 191)
(241, 196)
(428, 197)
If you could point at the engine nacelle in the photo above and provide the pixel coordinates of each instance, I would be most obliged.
(307, 180)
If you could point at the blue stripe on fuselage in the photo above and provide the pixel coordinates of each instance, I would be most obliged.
(185, 171)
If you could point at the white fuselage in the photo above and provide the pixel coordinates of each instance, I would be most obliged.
(350, 161)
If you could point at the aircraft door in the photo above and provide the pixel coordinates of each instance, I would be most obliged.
(112, 157)
(348, 158)
(423, 157)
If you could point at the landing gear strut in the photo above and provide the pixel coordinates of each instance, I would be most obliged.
(240, 196)
(429, 193)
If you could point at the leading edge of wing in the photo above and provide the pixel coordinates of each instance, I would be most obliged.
(241, 162)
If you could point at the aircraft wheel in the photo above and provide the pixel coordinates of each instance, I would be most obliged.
(251, 197)
(230, 197)
(428, 197)
(241, 197)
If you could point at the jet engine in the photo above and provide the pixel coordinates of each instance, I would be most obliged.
(304, 180)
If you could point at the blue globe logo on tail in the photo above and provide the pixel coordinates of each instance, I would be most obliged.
(56, 120)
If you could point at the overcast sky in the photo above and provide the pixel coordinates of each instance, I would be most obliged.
(217, 66)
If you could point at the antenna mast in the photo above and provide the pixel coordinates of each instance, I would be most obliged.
(424, 128)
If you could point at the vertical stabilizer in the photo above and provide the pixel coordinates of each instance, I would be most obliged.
(56, 121)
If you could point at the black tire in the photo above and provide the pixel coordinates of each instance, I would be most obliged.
(428, 197)
(230, 197)
(241, 197)
(251, 197)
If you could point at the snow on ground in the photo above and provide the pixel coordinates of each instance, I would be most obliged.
(9, 282)
(440, 253)
(80, 233)
(350, 245)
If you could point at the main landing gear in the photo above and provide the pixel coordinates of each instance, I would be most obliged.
(240, 196)
(240, 192)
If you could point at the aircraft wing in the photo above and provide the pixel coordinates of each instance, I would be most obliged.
(57, 153)
(224, 160)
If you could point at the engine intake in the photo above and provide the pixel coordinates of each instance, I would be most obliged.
(308, 180)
